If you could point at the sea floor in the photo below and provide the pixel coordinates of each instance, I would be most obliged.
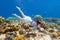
(45, 30)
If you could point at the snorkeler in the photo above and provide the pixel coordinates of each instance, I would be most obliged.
(27, 19)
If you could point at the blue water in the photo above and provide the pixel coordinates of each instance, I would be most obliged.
(46, 8)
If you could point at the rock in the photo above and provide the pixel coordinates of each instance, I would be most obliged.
(38, 17)
(2, 37)
(54, 34)
(20, 37)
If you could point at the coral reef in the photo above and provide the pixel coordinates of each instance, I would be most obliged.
(12, 30)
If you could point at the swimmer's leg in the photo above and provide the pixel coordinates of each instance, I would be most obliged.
(16, 16)
(20, 11)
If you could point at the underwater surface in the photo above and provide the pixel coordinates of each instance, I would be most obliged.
(46, 8)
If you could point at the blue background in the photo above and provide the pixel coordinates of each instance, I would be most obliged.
(46, 8)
